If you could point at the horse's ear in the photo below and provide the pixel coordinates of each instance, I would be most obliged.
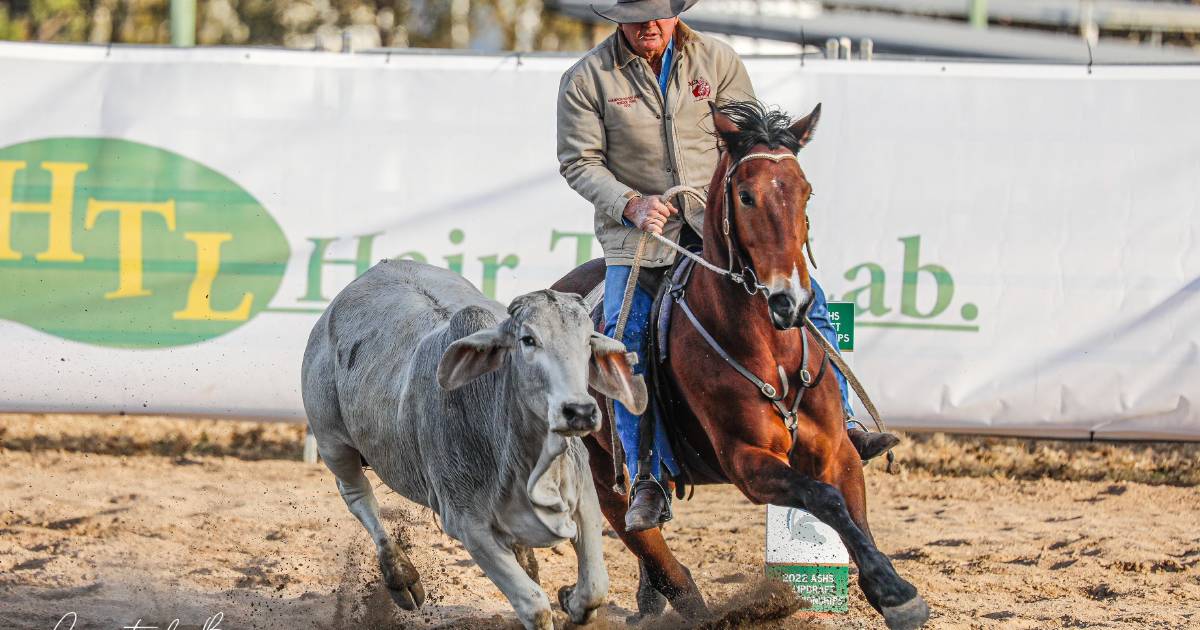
(803, 129)
(724, 126)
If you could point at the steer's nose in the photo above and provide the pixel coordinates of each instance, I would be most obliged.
(786, 306)
(580, 417)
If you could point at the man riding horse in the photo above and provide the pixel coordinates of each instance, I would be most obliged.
(633, 122)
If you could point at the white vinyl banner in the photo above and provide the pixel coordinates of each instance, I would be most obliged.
(1022, 242)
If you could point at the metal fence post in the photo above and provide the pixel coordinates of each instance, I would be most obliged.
(866, 48)
(183, 22)
(977, 13)
(831, 48)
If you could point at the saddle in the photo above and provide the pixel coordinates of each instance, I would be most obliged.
(669, 406)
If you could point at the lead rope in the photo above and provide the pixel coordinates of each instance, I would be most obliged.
(620, 478)
(861, 391)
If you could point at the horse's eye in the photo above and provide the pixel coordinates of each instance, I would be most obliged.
(745, 198)
(528, 341)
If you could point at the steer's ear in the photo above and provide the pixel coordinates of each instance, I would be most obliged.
(611, 373)
(471, 357)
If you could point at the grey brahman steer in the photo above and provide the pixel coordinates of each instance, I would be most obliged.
(473, 410)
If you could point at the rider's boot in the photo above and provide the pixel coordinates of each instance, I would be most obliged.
(871, 445)
(649, 506)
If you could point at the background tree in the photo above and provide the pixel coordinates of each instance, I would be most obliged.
(490, 25)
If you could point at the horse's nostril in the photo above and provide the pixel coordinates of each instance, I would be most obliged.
(782, 304)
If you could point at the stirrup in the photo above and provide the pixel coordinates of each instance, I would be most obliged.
(645, 482)
(889, 455)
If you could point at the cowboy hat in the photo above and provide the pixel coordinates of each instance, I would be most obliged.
(636, 11)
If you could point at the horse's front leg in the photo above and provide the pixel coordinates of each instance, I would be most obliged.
(660, 571)
(845, 473)
(765, 478)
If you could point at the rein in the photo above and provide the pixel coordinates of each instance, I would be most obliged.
(751, 284)
(748, 280)
(807, 380)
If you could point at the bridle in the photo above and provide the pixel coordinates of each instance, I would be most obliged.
(829, 354)
(746, 276)
(748, 279)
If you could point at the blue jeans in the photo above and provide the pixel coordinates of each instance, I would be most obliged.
(818, 312)
(635, 339)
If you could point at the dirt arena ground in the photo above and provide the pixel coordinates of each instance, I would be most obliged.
(118, 519)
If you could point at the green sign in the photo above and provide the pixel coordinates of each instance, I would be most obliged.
(121, 244)
(825, 587)
(841, 314)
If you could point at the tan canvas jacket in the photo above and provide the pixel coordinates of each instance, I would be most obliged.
(618, 136)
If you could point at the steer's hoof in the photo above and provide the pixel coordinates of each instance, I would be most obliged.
(401, 578)
(907, 616)
(410, 597)
(577, 617)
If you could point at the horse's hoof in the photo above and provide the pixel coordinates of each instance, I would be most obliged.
(691, 607)
(578, 618)
(650, 602)
(907, 616)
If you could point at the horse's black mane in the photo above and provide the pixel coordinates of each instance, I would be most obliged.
(758, 124)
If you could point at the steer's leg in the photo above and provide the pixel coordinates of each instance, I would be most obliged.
(500, 565)
(765, 479)
(661, 569)
(581, 601)
(399, 575)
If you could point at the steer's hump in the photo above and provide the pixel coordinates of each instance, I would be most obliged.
(469, 320)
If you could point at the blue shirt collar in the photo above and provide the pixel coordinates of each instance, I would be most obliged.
(665, 72)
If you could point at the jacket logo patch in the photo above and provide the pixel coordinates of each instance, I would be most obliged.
(625, 101)
(700, 88)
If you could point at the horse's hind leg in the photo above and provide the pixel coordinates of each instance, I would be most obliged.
(660, 571)
(766, 479)
(399, 575)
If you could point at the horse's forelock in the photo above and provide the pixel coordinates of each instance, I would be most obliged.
(758, 124)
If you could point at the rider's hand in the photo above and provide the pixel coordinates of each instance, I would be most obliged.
(649, 214)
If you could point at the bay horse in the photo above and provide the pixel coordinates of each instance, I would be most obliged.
(755, 226)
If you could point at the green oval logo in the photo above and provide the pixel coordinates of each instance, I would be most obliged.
(116, 243)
